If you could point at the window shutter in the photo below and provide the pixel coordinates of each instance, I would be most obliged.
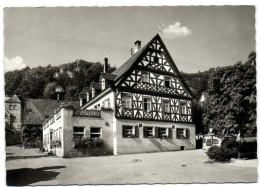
(145, 132)
(136, 131)
(156, 132)
(124, 131)
(169, 132)
(187, 133)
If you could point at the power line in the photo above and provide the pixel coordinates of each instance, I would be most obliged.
(24, 34)
(60, 39)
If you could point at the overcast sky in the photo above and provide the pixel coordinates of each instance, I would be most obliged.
(197, 37)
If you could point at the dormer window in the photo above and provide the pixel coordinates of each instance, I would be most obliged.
(93, 92)
(103, 84)
(145, 77)
(167, 81)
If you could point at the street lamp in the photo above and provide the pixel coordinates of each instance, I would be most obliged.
(211, 134)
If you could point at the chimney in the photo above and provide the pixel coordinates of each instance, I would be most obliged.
(105, 65)
(137, 46)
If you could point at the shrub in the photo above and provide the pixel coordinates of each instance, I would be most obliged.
(219, 154)
(88, 143)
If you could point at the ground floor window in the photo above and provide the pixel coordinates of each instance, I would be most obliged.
(95, 132)
(162, 132)
(182, 133)
(128, 131)
(78, 132)
(149, 132)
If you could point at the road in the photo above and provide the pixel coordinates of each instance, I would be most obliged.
(31, 167)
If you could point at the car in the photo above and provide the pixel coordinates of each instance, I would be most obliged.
(207, 142)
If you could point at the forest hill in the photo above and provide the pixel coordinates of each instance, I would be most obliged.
(230, 106)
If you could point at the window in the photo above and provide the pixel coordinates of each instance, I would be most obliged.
(15, 107)
(60, 133)
(10, 107)
(98, 106)
(93, 92)
(126, 99)
(149, 132)
(147, 104)
(167, 82)
(103, 83)
(88, 98)
(183, 108)
(162, 133)
(95, 132)
(182, 133)
(166, 106)
(78, 132)
(129, 131)
(145, 77)
(156, 59)
(106, 103)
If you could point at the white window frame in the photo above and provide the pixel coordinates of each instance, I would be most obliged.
(132, 129)
(93, 92)
(145, 76)
(148, 104)
(107, 103)
(168, 106)
(184, 133)
(127, 100)
(96, 133)
(153, 132)
(103, 81)
(79, 133)
(60, 133)
(183, 107)
(170, 80)
(166, 133)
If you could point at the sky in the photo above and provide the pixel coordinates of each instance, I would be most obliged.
(197, 37)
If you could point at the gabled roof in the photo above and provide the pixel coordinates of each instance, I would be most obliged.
(127, 66)
(36, 111)
(133, 60)
(130, 62)
(12, 99)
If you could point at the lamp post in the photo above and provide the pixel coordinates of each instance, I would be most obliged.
(211, 134)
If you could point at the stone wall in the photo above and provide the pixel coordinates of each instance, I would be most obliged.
(143, 145)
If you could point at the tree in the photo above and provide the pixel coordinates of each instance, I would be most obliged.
(231, 105)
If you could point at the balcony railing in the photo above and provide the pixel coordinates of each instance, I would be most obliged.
(87, 113)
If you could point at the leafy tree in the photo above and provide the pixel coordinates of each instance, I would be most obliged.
(50, 91)
(231, 105)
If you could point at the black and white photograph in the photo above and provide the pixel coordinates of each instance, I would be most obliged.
(123, 95)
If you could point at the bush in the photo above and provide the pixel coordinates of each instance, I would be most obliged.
(88, 143)
(219, 154)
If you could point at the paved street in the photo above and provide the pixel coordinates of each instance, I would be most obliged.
(31, 167)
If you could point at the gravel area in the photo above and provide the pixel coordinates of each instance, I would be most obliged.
(31, 167)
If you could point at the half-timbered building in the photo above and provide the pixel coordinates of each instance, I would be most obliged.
(145, 104)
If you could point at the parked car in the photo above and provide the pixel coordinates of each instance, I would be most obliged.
(248, 145)
(207, 142)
